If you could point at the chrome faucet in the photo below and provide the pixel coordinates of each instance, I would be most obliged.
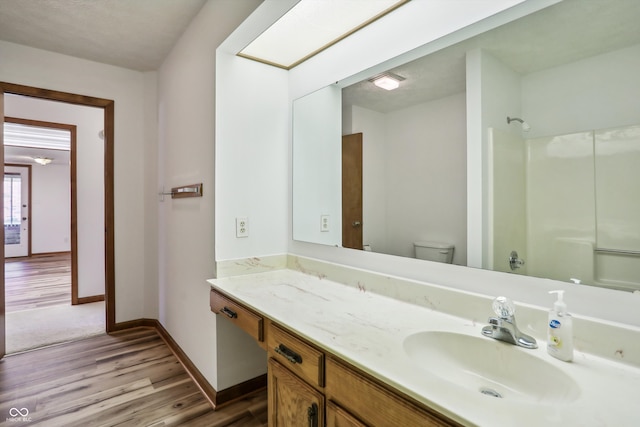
(504, 326)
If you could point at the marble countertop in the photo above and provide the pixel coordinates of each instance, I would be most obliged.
(368, 330)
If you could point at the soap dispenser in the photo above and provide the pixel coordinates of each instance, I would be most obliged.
(560, 330)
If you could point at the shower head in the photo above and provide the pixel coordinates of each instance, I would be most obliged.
(525, 125)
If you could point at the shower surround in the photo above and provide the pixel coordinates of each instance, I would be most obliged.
(569, 204)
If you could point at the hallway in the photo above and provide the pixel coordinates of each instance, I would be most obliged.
(38, 304)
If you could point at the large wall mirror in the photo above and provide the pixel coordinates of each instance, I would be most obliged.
(524, 139)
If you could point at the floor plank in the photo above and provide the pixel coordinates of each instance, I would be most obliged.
(38, 281)
(130, 378)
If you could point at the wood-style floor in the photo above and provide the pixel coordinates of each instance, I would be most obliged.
(130, 378)
(39, 281)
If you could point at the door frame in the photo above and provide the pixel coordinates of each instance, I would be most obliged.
(75, 300)
(28, 167)
(108, 107)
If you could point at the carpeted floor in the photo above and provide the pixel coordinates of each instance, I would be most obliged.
(40, 327)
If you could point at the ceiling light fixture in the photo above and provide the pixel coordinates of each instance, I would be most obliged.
(42, 160)
(311, 26)
(387, 81)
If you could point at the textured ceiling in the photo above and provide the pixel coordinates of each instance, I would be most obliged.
(135, 34)
(563, 33)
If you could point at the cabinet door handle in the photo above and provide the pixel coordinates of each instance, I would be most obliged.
(312, 415)
(226, 310)
(289, 354)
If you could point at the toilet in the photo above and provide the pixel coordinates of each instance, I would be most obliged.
(434, 251)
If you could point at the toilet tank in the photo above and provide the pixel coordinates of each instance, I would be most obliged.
(434, 251)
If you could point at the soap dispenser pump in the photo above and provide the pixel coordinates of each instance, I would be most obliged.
(560, 330)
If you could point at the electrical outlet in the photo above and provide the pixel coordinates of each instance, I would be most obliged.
(324, 223)
(242, 227)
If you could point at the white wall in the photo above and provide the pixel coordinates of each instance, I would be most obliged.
(189, 129)
(38, 68)
(414, 178)
(596, 93)
(317, 177)
(426, 146)
(89, 179)
(50, 208)
(372, 124)
(252, 168)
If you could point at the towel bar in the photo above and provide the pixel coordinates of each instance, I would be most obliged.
(617, 251)
(193, 190)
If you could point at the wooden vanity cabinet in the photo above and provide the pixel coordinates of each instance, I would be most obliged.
(291, 401)
(338, 417)
(369, 402)
(300, 358)
(295, 379)
(309, 388)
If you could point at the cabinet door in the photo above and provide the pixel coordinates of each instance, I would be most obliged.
(338, 417)
(292, 402)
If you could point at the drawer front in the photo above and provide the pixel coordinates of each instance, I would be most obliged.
(299, 357)
(338, 417)
(372, 403)
(244, 318)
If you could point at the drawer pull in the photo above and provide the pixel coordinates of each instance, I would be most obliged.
(230, 313)
(290, 355)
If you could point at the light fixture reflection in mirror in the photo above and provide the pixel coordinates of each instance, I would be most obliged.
(387, 81)
(575, 48)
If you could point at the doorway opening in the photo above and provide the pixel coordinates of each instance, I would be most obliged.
(106, 229)
(41, 226)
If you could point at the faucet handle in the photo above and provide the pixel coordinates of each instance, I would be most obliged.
(503, 307)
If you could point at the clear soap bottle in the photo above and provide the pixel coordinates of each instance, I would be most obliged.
(560, 330)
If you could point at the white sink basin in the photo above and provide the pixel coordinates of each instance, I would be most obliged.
(491, 367)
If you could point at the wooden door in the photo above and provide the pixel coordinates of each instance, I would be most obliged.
(352, 191)
(292, 402)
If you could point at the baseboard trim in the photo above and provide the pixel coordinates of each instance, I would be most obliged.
(240, 391)
(138, 323)
(217, 399)
(87, 300)
(47, 254)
